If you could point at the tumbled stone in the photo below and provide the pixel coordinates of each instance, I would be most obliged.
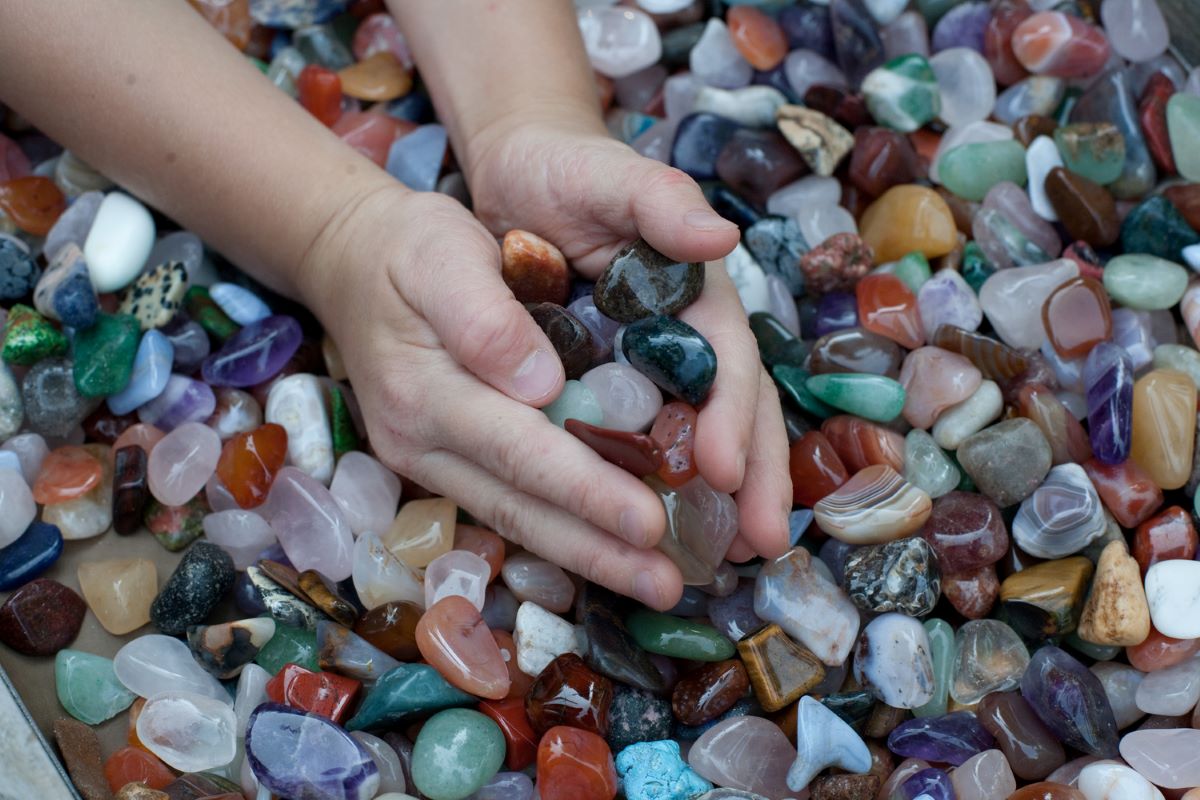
(1046, 599)
(1007, 460)
(119, 592)
(780, 670)
(1071, 701)
(876, 505)
(892, 661)
(640, 282)
(989, 657)
(1116, 612)
(41, 618)
(824, 740)
(897, 576)
(198, 583)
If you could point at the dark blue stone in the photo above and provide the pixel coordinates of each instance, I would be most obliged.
(30, 555)
(777, 79)
(246, 597)
(807, 27)
(858, 45)
(692, 603)
(950, 738)
(836, 311)
(413, 107)
(928, 784)
(699, 139)
(673, 354)
(730, 205)
(777, 245)
(1108, 376)
(18, 271)
(75, 302)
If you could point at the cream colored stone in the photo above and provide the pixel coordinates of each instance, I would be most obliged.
(1116, 612)
(119, 592)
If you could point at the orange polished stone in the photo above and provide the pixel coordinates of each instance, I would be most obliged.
(520, 740)
(519, 682)
(320, 91)
(674, 430)
(1045, 790)
(131, 736)
(230, 17)
(378, 78)
(574, 764)
(1159, 651)
(1068, 440)
(1168, 535)
(483, 543)
(34, 204)
(815, 468)
(453, 638)
(1127, 490)
(140, 434)
(534, 269)
(66, 473)
(860, 443)
(757, 37)
(326, 694)
(908, 218)
(888, 307)
(131, 764)
(1077, 316)
(249, 461)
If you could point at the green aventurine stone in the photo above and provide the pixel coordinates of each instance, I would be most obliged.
(104, 354)
(345, 436)
(976, 268)
(794, 382)
(875, 397)
(29, 337)
(1155, 227)
(203, 310)
(1178, 357)
(678, 638)
(1095, 150)
(941, 650)
(402, 693)
(576, 402)
(1183, 127)
(175, 527)
(914, 270)
(927, 466)
(969, 170)
(1143, 282)
(289, 646)
(88, 688)
(776, 344)
(903, 94)
(456, 752)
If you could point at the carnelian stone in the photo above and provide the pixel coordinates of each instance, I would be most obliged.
(519, 682)
(135, 711)
(66, 473)
(520, 740)
(324, 693)
(131, 764)
(675, 431)
(574, 764)
(483, 543)
(569, 692)
(1159, 651)
(816, 469)
(757, 37)
(860, 444)
(231, 18)
(1127, 490)
(321, 93)
(888, 307)
(1077, 316)
(1152, 114)
(33, 203)
(454, 639)
(1168, 535)
(249, 461)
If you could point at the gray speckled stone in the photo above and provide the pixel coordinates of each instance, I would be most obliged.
(1007, 461)
(204, 575)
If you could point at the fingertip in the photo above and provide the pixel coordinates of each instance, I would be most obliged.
(539, 378)
(659, 589)
(720, 457)
(739, 551)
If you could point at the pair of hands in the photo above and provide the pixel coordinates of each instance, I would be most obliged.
(450, 369)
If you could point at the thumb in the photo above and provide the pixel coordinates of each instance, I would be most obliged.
(672, 215)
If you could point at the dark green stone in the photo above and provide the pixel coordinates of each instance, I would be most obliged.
(203, 310)
(636, 715)
(678, 638)
(571, 339)
(641, 282)
(29, 337)
(104, 353)
(853, 707)
(777, 245)
(290, 646)
(612, 650)
(1154, 226)
(976, 268)
(677, 44)
(345, 435)
(402, 694)
(673, 354)
(793, 381)
(203, 576)
(776, 344)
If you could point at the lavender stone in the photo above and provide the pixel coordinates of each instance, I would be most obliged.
(963, 26)
(1108, 376)
(190, 343)
(807, 27)
(255, 353)
(836, 311)
(928, 784)
(307, 757)
(1070, 700)
(952, 738)
(183, 400)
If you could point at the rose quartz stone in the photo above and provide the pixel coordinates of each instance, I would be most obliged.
(309, 524)
(182, 463)
(242, 534)
(629, 400)
(747, 753)
(935, 379)
(366, 491)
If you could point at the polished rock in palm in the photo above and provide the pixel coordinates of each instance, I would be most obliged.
(641, 282)
(673, 354)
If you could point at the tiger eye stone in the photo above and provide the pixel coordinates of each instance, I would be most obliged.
(780, 670)
(1046, 599)
(392, 627)
(709, 691)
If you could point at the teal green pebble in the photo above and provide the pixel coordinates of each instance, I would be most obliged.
(1183, 127)
(456, 752)
(673, 354)
(289, 646)
(1178, 357)
(1144, 282)
(914, 270)
(874, 397)
(794, 383)
(976, 267)
(88, 688)
(576, 402)
(941, 651)
(678, 638)
(402, 693)
(1094, 150)
(1155, 227)
(104, 354)
(969, 170)
(776, 344)
(903, 94)
(933, 10)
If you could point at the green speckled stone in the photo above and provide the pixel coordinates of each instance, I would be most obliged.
(941, 650)
(456, 752)
(104, 353)
(874, 397)
(1144, 282)
(202, 309)
(969, 170)
(678, 638)
(88, 688)
(29, 337)
(175, 527)
(345, 436)
(575, 402)
(404, 692)
(673, 354)
(776, 344)
(1156, 228)
(641, 282)
(903, 94)
(794, 383)
(976, 268)
(289, 646)
(1095, 150)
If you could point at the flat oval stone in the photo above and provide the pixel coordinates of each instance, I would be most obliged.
(190, 732)
(291, 752)
(202, 578)
(1164, 757)
(151, 664)
(1174, 605)
(640, 282)
(678, 638)
(673, 354)
(1143, 281)
(255, 353)
(803, 600)
(41, 618)
(87, 687)
(1007, 461)
(876, 505)
(30, 555)
(182, 463)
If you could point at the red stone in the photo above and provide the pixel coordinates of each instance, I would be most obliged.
(67, 473)
(249, 462)
(860, 443)
(888, 307)
(320, 92)
(837, 264)
(675, 431)
(848, 110)
(1069, 443)
(325, 693)
(709, 691)
(1167, 535)
(131, 764)
(33, 203)
(520, 740)
(633, 452)
(519, 682)
(815, 468)
(1127, 490)
(882, 159)
(997, 40)
(573, 764)
(757, 37)
(1152, 114)
(568, 692)
(1159, 651)
(41, 618)
(972, 593)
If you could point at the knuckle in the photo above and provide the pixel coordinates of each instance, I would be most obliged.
(508, 516)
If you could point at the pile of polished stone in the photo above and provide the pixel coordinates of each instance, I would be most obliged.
(969, 231)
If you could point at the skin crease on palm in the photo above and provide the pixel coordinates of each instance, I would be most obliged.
(448, 367)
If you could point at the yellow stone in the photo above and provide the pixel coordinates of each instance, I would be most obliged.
(779, 669)
(1116, 612)
(422, 531)
(378, 78)
(1045, 599)
(907, 219)
(119, 592)
(1164, 426)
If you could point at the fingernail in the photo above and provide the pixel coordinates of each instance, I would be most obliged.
(741, 468)
(537, 377)
(633, 530)
(645, 589)
(704, 219)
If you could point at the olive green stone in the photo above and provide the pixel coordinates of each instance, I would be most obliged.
(1095, 150)
(678, 638)
(576, 401)
(29, 337)
(933, 10)
(640, 282)
(404, 692)
(976, 268)
(673, 354)
(104, 353)
(200, 307)
(941, 651)
(345, 436)
(1155, 227)
(794, 383)
(970, 170)
(874, 397)
(1144, 282)
(88, 688)
(1183, 127)
(456, 752)
(289, 646)
(776, 344)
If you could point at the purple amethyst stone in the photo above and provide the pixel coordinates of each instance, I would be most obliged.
(183, 400)
(1071, 701)
(836, 312)
(255, 353)
(306, 757)
(928, 784)
(951, 738)
(1108, 376)
(962, 26)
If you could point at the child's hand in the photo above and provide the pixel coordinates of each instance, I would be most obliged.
(450, 369)
(589, 195)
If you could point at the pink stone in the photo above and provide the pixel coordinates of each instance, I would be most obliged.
(984, 776)
(1169, 758)
(366, 491)
(379, 33)
(629, 400)
(243, 534)
(1012, 300)
(458, 572)
(935, 379)
(531, 579)
(17, 508)
(218, 496)
(747, 753)
(309, 524)
(182, 463)
(1013, 202)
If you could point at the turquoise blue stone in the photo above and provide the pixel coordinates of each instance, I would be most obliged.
(151, 369)
(30, 555)
(403, 693)
(656, 771)
(1154, 226)
(673, 354)
(88, 688)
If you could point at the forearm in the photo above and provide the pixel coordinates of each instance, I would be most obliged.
(150, 95)
(492, 64)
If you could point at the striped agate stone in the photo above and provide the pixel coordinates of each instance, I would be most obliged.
(876, 505)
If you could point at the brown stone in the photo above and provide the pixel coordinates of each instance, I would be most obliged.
(1030, 127)
(41, 618)
(392, 627)
(326, 596)
(1186, 199)
(756, 163)
(1086, 209)
(1116, 612)
(881, 159)
(80, 748)
(377, 78)
(780, 670)
(883, 720)
(844, 787)
(634, 452)
(709, 691)
(534, 269)
(1045, 599)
